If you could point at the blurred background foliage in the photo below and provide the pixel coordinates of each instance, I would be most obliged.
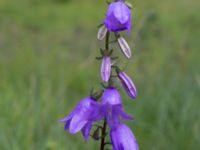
(47, 50)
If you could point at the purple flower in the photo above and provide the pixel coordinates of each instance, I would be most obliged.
(118, 17)
(128, 84)
(82, 117)
(112, 108)
(105, 68)
(122, 138)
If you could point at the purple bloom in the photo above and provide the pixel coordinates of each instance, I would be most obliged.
(106, 68)
(128, 84)
(122, 138)
(82, 116)
(118, 17)
(112, 107)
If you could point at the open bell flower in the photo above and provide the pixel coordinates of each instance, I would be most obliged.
(105, 68)
(82, 116)
(122, 138)
(118, 17)
(112, 107)
(127, 84)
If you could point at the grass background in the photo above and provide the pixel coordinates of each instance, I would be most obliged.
(47, 65)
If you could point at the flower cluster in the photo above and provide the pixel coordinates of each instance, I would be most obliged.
(106, 104)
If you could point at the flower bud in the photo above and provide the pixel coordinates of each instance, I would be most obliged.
(123, 138)
(124, 47)
(106, 68)
(118, 17)
(129, 5)
(96, 134)
(101, 33)
(128, 84)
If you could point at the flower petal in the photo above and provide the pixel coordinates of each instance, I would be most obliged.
(119, 111)
(77, 123)
(66, 118)
(86, 131)
(121, 12)
(67, 125)
(125, 116)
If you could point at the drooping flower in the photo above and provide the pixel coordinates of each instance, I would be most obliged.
(118, 17)
(122, 138)
(105, 68)
(82, 116)
(112, 107)
(127, 83)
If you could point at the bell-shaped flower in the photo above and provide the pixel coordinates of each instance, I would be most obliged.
(82, 117)
(112, 107)
(127, 83)
(122, 138)
(105, 68)
(118, 17)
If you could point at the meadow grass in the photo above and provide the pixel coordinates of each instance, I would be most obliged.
(47, 65)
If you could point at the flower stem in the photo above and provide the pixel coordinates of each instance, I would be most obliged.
(103, 134)
(107, 41)
(103, 131)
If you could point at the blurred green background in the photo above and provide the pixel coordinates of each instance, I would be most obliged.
(47, 50)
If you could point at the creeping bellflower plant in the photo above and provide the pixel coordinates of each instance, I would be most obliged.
(102, 112)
